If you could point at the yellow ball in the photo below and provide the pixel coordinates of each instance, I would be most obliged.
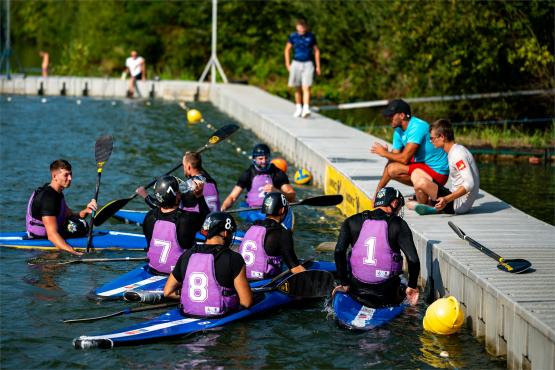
(194, 116)
(445, 316)
(302, 176)
(280, 163)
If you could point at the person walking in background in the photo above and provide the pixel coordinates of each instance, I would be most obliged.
(301, 71)
(135, 66)
(45, 61)
(413, 160)
(463, 172)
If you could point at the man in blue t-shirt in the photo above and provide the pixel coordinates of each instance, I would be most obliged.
(413, 159)
(301, 71)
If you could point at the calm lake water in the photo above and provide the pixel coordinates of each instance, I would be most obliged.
(148, 141)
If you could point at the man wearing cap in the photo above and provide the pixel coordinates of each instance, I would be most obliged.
(413, 160)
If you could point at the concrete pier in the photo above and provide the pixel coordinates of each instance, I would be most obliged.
(513, 314)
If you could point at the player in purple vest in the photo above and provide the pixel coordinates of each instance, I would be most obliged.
(211, 277)
(168, 229)
(267, 243)
(371, 273)
(192, 166)
(48, 215)
(260, 178)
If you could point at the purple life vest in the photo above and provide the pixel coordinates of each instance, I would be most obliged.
(35, 227)
(211, 197)
(164, 249)
(201, 294)
(372, 260)
(259, 264)
(256, 194)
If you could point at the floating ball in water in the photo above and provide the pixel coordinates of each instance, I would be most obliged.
(78, 102)
(302, 176)
(194, 116)
(43, 100)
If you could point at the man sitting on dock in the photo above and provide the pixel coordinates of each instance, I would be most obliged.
(371, 273)
(463, 172)
(48, 215)
(260, 178)
(267, 243)
(413, 159)
(212, 278)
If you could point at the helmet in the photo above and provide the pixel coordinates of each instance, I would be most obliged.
(444, 316)
(166, 190)
(216, 222)
(273, 203)
(280, 163)
(387, 195)
(261, 150)
(74, 227)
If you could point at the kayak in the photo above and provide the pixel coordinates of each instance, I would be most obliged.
(353, 315)
(174, 323)
(102, 239)
(143, 279)
(137, 217)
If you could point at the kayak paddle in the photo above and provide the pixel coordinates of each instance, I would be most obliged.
(102, 151)
(122, 312)
(319, 201)
(515, 266)
(53, 262)
(109, 209)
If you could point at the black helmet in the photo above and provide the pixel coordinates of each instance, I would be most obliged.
(216, 222)
(74, 227)
(387, 195)
(166, 190)
(273, 203)
(260, 150)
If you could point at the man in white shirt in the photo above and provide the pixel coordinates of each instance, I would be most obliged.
(463, 173)
(135, 66)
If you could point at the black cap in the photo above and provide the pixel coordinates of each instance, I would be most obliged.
(396, 106)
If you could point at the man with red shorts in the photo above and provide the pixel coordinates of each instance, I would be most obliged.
(413, 159)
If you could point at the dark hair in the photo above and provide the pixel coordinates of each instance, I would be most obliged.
(60, 164)
(443, 127)
(301, 22)
(194, 159)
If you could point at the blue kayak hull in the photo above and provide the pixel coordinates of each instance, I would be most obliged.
(102, 239)
(355, 316)
(142, 279)
(174, 324)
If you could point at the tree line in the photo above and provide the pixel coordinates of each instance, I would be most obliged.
(369, 49)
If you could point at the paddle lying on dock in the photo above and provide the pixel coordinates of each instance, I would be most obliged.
(318, 201)
(109, 209)
(515, 266)
(306, 284)
(55, 262)
(102, 151)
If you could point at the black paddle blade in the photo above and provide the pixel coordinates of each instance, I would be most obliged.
(308, 284)
(108, 210)
(220, 134)
(322, 201)
(515, 266)
(103, 149)
(456, 229)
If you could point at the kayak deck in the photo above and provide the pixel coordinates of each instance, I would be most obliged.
(353, 315)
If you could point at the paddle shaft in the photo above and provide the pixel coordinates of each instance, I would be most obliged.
(85, 260)
(123, 312)
(282, 274)
(318, 201)
(91, 224)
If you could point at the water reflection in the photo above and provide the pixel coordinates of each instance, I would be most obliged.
(433, 345)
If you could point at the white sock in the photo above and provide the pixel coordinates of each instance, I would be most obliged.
(306, 107)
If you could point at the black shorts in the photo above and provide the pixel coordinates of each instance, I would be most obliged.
(138, 77)
(442, 191)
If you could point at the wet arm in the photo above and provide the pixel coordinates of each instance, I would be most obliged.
(232, 197)
(172, 288)
(243, 289)
(51, 226)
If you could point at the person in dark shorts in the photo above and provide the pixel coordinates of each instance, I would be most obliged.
(169, 230)
(211, 277)
(370, 272)
(260, 178)
(48, 215)
(267, 243)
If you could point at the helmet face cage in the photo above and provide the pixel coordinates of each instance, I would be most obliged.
(261, 150)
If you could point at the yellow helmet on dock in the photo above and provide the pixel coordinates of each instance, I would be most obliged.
(445, 316)
(194, 116)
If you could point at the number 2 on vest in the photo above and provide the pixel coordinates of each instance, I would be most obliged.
(370, 245)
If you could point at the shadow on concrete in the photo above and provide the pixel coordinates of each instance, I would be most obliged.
(434, 287)
(489, 207)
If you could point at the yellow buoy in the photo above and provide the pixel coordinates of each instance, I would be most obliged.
(280, 163)
(302, 176)
(194, 116)
(445, 316)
